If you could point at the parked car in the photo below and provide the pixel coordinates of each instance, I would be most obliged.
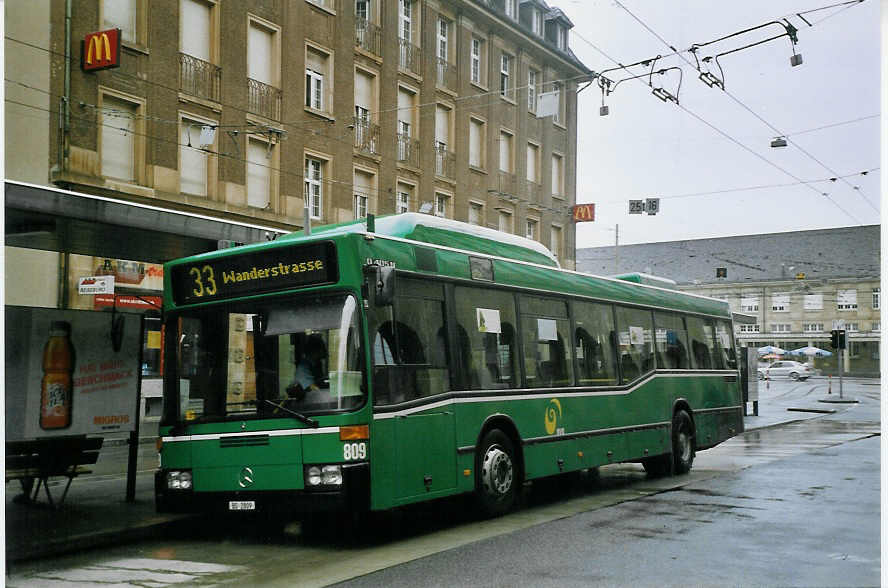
(791, 369)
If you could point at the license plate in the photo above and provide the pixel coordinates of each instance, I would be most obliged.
(241, 505)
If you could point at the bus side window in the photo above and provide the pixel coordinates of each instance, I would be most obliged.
(701, 338)
(488, 319)
(594, 344)
(636, 342)
(671, 341)
(724, 343)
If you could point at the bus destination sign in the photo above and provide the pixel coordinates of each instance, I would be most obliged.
(257, 272)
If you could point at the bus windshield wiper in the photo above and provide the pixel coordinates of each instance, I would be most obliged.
(299, 417)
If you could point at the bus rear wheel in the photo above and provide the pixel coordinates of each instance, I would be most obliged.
(682, 442)
(497, 479)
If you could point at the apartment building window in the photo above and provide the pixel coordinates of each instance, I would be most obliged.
(402, 199)
(557, 175)
(749, 328)
(536, 21)
(477, 58)
(196, 28)
(318, 79)
(846, 299)
(441, 204)
(530, 229)
(813, 327)
(443, 39)
(362, 10)
(877, 298)
(780, 302)
(476, 213)
(506, 76)
(405, 195)
(749, 304)
(813, 302)
(852, 327)
(877, 326)
(314, 185)
(532, 76)
(259, 166)
(126, 16)
(360, 206)
(511, 9)
(557, 88)
(443, 163)
(504, 223)
(366, 134)
(263, 69)
(477, 141)
(198, 49)
(364, 183)
(405, 20)
(556, 241)
(781, 328)
(197, 141)
(533, 163)
(119, 141)
(405, 130)
(507, 153)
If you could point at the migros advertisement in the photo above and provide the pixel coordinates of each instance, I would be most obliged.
(70, 372)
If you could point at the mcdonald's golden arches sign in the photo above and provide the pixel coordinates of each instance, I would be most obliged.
(100, 50)
(583, 213)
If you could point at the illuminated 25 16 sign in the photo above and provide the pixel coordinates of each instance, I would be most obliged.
(248, 273)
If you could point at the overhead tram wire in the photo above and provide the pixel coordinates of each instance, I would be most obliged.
(755, 114)
(729, 137)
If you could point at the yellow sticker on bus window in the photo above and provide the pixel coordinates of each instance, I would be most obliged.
(153, 340)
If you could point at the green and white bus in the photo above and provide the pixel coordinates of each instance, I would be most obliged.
(455, 359)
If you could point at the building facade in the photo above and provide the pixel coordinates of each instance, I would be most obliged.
(258, 110)
(798, 286)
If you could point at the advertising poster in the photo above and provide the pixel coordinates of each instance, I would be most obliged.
(69, 372)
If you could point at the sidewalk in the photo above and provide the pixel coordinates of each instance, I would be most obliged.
(95, 512)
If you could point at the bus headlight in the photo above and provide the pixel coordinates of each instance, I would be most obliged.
(179, 480)
(323, 475)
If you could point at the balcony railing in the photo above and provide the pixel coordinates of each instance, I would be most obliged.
(368, 36)
(366, 136)
(263, 99)
(200, 78)
(408, 150)
(533, 191)
(446, 73)
(409, 57)
(445, 163)
(506, 183)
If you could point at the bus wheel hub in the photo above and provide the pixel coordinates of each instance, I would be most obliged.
(496, 472)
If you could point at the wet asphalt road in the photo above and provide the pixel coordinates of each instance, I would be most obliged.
(796, 504)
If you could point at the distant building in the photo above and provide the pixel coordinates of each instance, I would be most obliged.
(798, 285)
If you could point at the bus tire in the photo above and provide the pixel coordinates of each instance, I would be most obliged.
(496, 485)
(682, 442)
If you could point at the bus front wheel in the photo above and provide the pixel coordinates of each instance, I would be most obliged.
(497, 480)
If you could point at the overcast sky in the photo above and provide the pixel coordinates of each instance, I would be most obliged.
(646, 148)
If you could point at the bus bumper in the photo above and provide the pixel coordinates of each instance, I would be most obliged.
(354, 494)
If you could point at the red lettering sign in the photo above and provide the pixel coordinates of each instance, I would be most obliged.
(583, 213)
(100, 50)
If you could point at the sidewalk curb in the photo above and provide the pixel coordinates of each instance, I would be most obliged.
(152, 528)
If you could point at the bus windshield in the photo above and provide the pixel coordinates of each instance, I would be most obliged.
(266, 359)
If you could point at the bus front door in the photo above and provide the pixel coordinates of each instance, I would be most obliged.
(426, 454)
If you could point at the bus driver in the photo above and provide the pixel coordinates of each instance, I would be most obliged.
(309, 374)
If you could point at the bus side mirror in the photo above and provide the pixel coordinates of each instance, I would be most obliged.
(380, 284)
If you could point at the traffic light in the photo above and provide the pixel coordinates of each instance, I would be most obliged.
(837, 338)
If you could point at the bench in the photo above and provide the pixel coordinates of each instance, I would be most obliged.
(41, 459)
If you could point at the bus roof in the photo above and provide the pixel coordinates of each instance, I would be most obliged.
(648, 279)
(435, 230)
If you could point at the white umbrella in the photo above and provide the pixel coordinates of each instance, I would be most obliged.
(810, 351)
(770, 349)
